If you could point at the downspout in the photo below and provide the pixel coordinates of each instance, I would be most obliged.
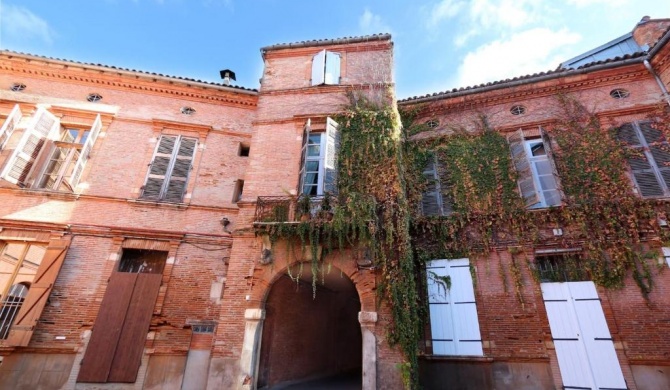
(658, 80)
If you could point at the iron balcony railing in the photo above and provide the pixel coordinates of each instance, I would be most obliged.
(283, 209)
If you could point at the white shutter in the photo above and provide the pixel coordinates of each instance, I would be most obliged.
(318, 68)
(303, 155)
(584, 347)
(430, 199)
(330, 158)
(85, 151)
(10, 124)
(453, 312)
(332, 75)
(666, 254)
(20, 163)
(522, 165)
(181, 167)
(160, 164)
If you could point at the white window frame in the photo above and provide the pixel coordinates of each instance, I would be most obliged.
(453, 311)
(320, 159)
(533, 160)
(666, 254)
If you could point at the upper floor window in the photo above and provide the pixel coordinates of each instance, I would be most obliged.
(435, 200)
(326, 68)
(48, 155)
(537, 175)
(170, 167)
(318, 165)
(649, 158)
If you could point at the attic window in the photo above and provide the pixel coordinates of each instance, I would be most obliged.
(18, 87)
(518, 110)
(432, 123)
(94, 97)
(188, 110)
(619, 93)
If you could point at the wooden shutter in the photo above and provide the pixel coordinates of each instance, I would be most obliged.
(584, 347)
(128, 355)
(644, 175)
(430, 199)
(20, 163)
(330, 158)
(10, 124)
(180, 169)
(160, 164)
(318, 68)
(522, 165)
(101, 349)
(303, 155)
(332, 75)
(659, 150)
(549, 149)
(453, 312)
(85, 151)
(47, 272)
(446, 197)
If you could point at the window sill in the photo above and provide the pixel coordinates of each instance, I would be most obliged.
(147, 202)
(478, 359)
(50, 193)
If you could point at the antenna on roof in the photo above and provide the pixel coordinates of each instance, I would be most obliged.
(227, 75)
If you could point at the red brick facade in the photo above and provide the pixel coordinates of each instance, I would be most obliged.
(206, 328)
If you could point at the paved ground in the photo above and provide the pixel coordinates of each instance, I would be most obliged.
(338, 382)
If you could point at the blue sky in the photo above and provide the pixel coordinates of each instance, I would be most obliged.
(439, 45)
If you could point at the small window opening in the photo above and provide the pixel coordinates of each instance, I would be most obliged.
(188, 110)
(244, 150)
(239, 188)
(94, 97)
(432, 123)
(142, 261)
(561, 267)
(202, 328)
(619, 93)
(18, 87)
(518, 110)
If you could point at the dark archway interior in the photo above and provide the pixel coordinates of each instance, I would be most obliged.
(306, 337)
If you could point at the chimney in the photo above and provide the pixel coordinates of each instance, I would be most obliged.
(227, 75)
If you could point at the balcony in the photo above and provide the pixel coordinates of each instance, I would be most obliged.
(292, 209)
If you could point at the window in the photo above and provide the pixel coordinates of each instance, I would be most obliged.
(48, 155)
(561, 267)
(243, 150)
(666, 254)
(619, 93)
(94, 97)
(239, 188)
(318, 165)
(453, 312)
(17, 87)
(18, 267)
(187, 110)
(517, 110)
(537, 175)
(436, 199)
(326, 68)
(169, 169)
(648, 154)
(432, 123)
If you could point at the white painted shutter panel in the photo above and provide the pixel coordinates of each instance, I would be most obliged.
(160, 164)
(330, 159)
(666, 254)
(85, 151)
(522, 165)
(20, 163)
(572, 359)
(439, 302)
(303, 155)
(332, 75)
(183, 161)
(597, 339)
(10, 124)
(464, 309)
(645, 179)
(430, 199)
(453, 313)
(318, 68)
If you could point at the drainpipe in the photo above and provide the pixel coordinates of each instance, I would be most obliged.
(658, 80)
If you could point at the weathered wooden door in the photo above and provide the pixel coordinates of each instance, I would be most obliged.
(584, 346)
(114, 352)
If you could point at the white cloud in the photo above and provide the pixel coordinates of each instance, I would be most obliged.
(370, 23)
(444, 10)
(530, 51)
(586, 3)
(21, 23)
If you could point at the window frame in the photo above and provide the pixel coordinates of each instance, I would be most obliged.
(534, 160)
(327, 159)
(174, 156)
